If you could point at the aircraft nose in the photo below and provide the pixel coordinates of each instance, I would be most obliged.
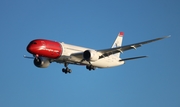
(29, 48)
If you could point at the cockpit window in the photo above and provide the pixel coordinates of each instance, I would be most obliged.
(33, 42)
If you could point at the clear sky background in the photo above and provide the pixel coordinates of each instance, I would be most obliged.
(149, 82)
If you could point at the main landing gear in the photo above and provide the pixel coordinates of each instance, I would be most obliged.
(90, 67)
(66, 70)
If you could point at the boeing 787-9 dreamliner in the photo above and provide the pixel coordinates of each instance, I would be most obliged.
(47, 51)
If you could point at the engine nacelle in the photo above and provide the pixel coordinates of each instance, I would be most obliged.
(41, 62)
(90, 55)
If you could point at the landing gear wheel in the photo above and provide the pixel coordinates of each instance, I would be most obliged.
(66, 70)
(69, 70)
(90, 67)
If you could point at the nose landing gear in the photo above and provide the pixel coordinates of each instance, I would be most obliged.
(66, 70)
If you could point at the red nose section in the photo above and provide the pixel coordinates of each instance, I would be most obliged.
(45, 48)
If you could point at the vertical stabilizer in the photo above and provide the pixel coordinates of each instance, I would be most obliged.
(118, 43)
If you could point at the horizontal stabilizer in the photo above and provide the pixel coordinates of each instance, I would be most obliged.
(132, 58)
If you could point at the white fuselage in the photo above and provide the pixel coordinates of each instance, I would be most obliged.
(68, 49)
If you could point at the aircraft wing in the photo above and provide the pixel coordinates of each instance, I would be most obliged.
(107, 52)
(110, 51)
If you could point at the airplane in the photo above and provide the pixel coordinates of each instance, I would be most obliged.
(47, 51)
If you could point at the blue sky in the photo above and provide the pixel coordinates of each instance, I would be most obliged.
(149, 82)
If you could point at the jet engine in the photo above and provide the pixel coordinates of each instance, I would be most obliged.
(90, 55)
(41, 62)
